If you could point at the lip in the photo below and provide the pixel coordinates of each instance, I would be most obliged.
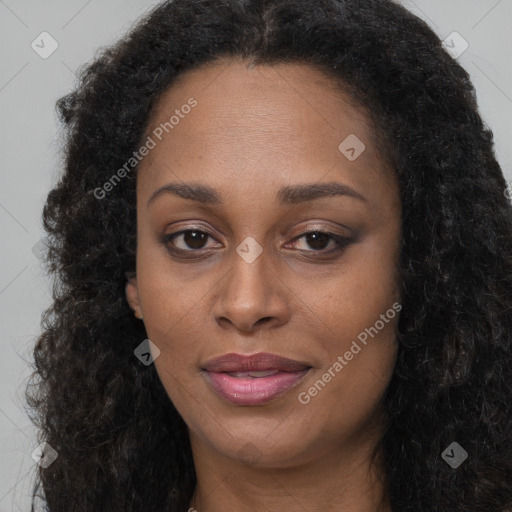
(253, 391)
(256, 362)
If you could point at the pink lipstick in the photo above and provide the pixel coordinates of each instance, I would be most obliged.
(254, 379)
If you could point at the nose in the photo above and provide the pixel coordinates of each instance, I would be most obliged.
(251, 296)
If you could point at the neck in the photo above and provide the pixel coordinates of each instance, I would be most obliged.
(340, 480)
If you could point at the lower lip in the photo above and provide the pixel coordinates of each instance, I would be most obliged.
(247, 391)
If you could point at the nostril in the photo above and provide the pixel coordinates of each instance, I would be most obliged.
(264, 320)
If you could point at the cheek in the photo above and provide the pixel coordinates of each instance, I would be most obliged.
(360, 310)
(358, 358)
(173, 323)
(364, 286)
(170, 295)
(177, 323)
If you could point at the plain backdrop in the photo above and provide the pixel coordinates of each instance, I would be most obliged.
(30, 164)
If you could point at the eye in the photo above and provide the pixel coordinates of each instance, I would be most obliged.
(194, 240)
(191, 238)
(318, 240)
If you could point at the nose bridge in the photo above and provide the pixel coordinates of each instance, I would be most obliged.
(250, 272)
(251, 291)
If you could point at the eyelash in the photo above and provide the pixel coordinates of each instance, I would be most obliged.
(340, 241)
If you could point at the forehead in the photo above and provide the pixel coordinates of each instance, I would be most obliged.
(269, 97)
(265, 123)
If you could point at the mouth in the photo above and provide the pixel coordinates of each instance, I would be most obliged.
(253, 380)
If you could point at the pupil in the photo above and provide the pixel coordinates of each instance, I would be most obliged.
(194, 238)
(316, 237)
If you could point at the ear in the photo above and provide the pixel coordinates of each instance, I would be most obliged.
(132, 295)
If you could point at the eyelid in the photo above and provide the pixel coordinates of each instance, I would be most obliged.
(293, 235)
(319, 228)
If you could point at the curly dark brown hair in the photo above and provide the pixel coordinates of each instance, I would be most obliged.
(121, 443)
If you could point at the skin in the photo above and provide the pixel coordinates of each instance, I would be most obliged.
(254, 130)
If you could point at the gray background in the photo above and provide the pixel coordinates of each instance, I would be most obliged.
(29, 87)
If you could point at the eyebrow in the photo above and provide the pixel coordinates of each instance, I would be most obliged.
(290, 194)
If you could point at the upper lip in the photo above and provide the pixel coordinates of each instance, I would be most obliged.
(256, 362)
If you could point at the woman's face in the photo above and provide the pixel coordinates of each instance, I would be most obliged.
(251, 273)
